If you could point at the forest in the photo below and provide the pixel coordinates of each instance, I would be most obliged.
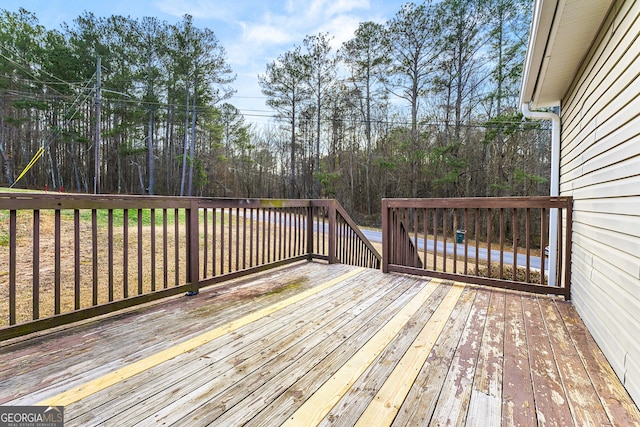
(424, 105)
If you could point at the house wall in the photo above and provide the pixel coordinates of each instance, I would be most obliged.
(600, 168)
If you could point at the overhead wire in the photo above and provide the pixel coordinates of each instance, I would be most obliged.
(54, 134)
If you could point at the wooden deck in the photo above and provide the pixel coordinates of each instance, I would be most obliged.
(318, 344)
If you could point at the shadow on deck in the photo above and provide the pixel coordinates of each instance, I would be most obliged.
(313, 344)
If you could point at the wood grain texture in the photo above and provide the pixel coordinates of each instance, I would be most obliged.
(453, 401)
(423, 396)
(485, 406)
(518, 405)
(386, 403)
(387, 348)
(318, 405)
(549, 394)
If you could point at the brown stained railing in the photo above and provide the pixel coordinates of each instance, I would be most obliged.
(65, 258)
(489, 241)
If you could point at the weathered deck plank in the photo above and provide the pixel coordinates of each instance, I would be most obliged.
(314, 409)
(453, 402)
(296, 346)
(251, 392)
(355, 400)
(280, 409)
(88, 348)
(550, 399)
(262, 341)
(485, 406)
(518, 405)
(385, 405)
(423, 396)
(616, 401)
(583, 401)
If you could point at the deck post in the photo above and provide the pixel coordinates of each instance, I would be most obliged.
(568, 249)
(385, 236)
(332, 232)
(310, 226)
(193, 247)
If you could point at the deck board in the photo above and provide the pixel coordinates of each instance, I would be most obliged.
(485, 405)
(550, 399)
(319, 344)
(518, 405)
(426, 390)
(453, 401)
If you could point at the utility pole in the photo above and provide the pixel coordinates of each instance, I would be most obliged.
(96, 179)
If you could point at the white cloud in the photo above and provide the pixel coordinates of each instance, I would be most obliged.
(343, 6)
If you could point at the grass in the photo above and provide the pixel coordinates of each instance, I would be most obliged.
(102, 216)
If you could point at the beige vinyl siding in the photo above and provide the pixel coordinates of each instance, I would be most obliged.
(600, 168)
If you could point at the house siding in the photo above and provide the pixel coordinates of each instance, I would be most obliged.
(600, 168)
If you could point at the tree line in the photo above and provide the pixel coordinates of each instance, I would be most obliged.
(424, 105)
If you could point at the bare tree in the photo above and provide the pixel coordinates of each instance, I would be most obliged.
(285, 86)
(321, 75)
(366, 58)
(412, 37)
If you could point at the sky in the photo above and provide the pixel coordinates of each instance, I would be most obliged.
(253, 32)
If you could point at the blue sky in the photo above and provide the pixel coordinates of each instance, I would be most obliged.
(253, 32)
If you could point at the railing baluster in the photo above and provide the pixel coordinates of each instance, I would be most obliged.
(205, 248)
(230, 242)
(125, 253)
(263, 250)
(237, 245)
(269, 240)
(165, 249)
(140, 249)
(466, 240)
(153, 249)
(94, 258)
(214, 243)
(425, 236)
(477, 240)
(514, 224)
(434, 213)
(222, 242)
(251, 227)
(501, 243)
(455, 240)
(110, 279)
(543, 233)
(528, 245)
(176, 248)
(36, 265)
(76, 257)
(244, 238)
(13, 249)
(489, 237)
(56, 268)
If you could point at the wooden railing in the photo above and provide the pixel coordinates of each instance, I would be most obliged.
(501, 242)
(65, 258)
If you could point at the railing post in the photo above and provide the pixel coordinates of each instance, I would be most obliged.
(385, 236)
(568, 249)
(193, 247)
(310, 225)
(333, 225)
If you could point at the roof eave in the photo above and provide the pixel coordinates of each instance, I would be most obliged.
(562, 32)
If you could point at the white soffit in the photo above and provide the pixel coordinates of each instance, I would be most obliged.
(562, 32)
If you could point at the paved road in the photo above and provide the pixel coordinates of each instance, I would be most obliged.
(376, 236)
